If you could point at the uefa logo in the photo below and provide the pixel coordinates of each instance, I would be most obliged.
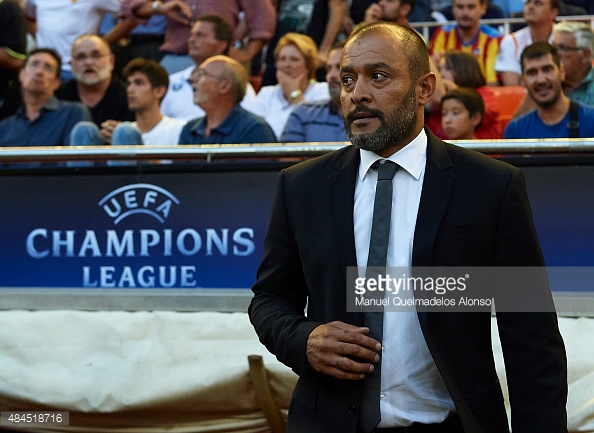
(138, 198)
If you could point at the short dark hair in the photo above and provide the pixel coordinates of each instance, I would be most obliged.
(49, 51)
(414, 47)
(537, 50)
(222, 29)
(470, 98)
(156, 74)
(556, 4)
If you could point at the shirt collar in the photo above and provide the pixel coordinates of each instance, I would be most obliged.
(52, 104)
(411, 157)
(225, 127)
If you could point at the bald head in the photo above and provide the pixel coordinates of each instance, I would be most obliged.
(98, 41)
(232, 71)
(409, 41)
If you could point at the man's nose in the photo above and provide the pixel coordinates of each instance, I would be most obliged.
(361, 92)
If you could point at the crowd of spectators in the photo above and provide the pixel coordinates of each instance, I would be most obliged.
(254, 71)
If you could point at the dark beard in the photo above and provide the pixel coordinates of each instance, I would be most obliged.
(399, 125)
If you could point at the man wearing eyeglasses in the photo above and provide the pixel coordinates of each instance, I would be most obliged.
(219, 85)
(575, 43)
(42, 120)
(211, 35)
(93, 83)
(540, 16)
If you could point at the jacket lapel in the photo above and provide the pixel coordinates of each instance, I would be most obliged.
(342, 183)
(437, 186)
(435, 195)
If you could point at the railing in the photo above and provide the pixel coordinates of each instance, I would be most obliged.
(506, 23)
(212, 153)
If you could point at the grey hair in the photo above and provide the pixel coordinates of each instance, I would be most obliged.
(584, 37)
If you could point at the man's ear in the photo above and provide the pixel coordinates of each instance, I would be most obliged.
(426, 88)
(225, 86)
(160, 91)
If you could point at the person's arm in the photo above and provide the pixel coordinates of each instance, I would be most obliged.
(509, 78)
(336, 10)
(247, 53)
(13, 38)
(120, 30)
(507, 63)
(533, 349)
(259, 21)
(10, 59)
(280, 297)
(175, 10)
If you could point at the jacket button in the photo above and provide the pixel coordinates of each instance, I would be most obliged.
(352, 409)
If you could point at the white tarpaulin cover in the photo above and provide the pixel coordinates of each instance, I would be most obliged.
(148, 372)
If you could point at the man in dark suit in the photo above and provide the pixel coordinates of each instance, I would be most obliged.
(450, 207)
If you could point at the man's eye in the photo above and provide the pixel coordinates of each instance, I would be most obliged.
(347, 80)
(377, 76)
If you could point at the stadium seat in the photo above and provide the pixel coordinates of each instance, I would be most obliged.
(509, 98)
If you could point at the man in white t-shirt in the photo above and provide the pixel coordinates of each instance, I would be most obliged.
(60, 22)
(147, 83)
(540, 16)
(210, 36)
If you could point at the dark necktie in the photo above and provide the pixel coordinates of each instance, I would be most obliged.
(378, 252)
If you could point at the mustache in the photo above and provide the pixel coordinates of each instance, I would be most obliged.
(361, 109)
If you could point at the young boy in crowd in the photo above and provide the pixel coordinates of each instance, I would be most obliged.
(462, 111)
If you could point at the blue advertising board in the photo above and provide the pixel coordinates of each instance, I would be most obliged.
(167, 230)
(205, 229)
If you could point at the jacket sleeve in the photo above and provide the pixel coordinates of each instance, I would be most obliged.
(277, 310)
(533, 349)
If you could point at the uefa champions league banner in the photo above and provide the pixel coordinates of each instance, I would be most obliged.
(198, 229)
(168, 230)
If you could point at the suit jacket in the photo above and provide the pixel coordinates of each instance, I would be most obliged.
(473, 211)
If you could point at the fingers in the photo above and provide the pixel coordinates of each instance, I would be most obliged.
(177, 11)
(372, 14)
(341, 350)
(107, 128)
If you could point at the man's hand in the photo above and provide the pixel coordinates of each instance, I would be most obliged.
(176, 10)
(372, 14)
(107, 128)
(341, 350)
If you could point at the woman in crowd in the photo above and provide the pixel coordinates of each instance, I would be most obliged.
(296, 58)
(458, 69)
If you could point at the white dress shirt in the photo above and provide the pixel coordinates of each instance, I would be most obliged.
(412, 389)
